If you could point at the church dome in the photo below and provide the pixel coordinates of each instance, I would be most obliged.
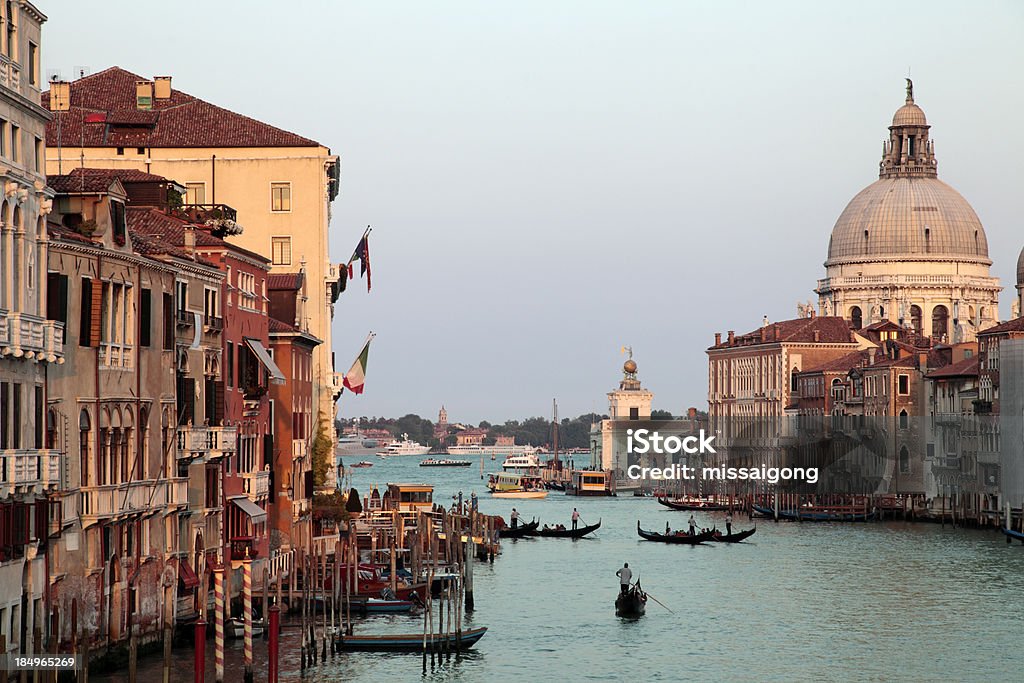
(901, 218)
(908, 214)
(1020, 271)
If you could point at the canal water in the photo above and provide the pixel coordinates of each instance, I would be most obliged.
(875, 601)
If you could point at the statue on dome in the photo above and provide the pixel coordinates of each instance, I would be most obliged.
(910, 90)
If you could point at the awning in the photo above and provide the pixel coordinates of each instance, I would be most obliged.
(257, 514)
(276, 376)
(185, 573)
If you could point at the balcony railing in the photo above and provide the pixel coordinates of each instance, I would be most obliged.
(213, 323)
(116, 500)
(299, 448)
(196, 442)
(37, 469)
(256, 484)
(184, 317)
(5, 335)
(201, 213)
(337, 380)
(29, 336)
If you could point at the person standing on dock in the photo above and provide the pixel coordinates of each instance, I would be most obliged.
(575, 518)
(693, 525)
(728, 523)
(515, 518)
(473, 501)
(624, 574)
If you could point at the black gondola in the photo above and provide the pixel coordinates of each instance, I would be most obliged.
(632, 603)
(682, 539)
(719, 537)
(567, 533)
(693, 505)
(519, 531)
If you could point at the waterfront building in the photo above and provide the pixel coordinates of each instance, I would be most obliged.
(471, 437)
(293, 417)
(608, 449)
(280, 184)
(1011, 423)
(909, 248)
(32, 467)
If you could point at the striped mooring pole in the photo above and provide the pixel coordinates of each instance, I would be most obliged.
(218, 625)
(247, 609)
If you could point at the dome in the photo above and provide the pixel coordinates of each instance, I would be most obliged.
(908, 219)
(909, 115)
(1020, 270)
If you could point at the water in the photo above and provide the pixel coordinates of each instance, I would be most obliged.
(798, 602)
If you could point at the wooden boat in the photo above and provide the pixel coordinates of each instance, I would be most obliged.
(410, 642)
(363, 463)
(692, 504)
(1011, 534)
(519, 531)
(381, 606)
(567, 533)
(520, 494)
(737, 537)
(632, 604)
(814, 515)
(235, 628)
(682, 539)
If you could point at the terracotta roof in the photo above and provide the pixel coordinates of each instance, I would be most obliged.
(78, 182)
(968, 367)
(285, 281)
(105, 102)
(61, 232)
(1015, 325)
(156, 223)
(153, 246)
(279, 326)
(841, 364)
(830, 329)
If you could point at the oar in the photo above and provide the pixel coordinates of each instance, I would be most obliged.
(651, 596)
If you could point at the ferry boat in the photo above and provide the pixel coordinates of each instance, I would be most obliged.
(520, 463)
(404, 447)
(433, 462)
(506, 485)
(590, 483)
(478, 450)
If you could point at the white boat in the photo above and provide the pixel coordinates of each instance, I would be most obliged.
(505, 485)
(235, 628)
(404, 447)
(521, 463)
(478, 450)
(354, 444)
(433, 462)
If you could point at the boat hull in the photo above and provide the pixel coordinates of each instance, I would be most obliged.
(519, 531)
(632, 604)
(411, 642)
(737, 537)
(676, 539)
(692, 505)
(568, 533)
(520, 494)
(1011, 534)
(815, 516)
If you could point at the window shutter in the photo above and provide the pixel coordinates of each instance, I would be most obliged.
(218, 403)
(85, 311)
(146, 318)
(94, 328)
(308, 493)
(168, 322)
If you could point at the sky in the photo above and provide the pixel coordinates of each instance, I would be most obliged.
(549, 181)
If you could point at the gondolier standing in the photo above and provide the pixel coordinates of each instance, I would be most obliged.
(575, 518)
(624, 574)
(515, 518)
(693, 526)
(728, 523)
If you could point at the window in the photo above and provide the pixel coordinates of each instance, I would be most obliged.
(39, 155)
(281, 251)
(904, 460)
(168, 315)
(85, 310)
(903, 386)
(182, 291)
(904, 419)
(33, 64)
(116, 325)
(15, 143)
(247, 291)
(145, 318)
(280, 196)
(211, 310)
(117, 220)
(195, 193)
(230, 365)
(5, 430)
(3, 137)
(57, 298)
(12, 33)
(120, 151)
(37, 414)
(140, 150)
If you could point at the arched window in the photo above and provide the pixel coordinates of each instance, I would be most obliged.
(904, 419)
(793, 379)
(84, 446)
(915, 318)
(940, 322)
(904, 460)
(856, 318)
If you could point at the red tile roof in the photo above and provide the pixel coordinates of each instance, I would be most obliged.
(279, 326)
(98, 179)
(968, 367)
(830, 329)
(105, 101)
(1015, 325)
(841, 364)
(285, 281)
(156, 223)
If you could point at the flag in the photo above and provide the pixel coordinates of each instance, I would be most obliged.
(361, 254)
(356, 375)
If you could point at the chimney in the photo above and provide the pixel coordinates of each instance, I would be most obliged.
(871, 355)
(922, 362)
(144, 95)
(763, 334)
(718, 338)
(162, 87)
(732, 337)
(190, 240)
(817, 336)
(775, 333)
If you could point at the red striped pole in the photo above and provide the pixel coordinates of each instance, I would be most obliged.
(218, 625)
(247, 610)
(275, 626)
(199, 663)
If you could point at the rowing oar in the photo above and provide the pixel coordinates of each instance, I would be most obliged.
(651, 596)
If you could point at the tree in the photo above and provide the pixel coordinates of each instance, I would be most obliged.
(321, 452)
(661, 415)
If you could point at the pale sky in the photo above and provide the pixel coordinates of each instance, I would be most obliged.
(548, 181)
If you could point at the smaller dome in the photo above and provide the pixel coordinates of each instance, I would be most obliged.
(1020, 269)
(909, 115)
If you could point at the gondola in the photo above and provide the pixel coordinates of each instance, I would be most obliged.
(692, 505)
(519, 531)
(1011, 534)
(411, 642)
(567, 533)
(631, 604)
(682, 539)
(719, 537)
(815, 515)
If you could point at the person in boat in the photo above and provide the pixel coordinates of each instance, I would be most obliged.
(693, 526)
(547, 528)
(515, 518)
(728, 523)
(668, 529)
(560, 527)
(624, 574)
(575, 518)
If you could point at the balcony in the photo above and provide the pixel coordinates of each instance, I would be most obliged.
(299, 449)
(118, 356)
(210, 442)
(203, 214)
(337, 380)
(28, 336)
(120, 500)
(256, 484)
(25, 470)
(213, 323)
(184, 318)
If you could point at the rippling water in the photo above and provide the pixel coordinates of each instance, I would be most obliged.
(798, 602)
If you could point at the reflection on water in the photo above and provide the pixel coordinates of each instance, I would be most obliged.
(798, 602)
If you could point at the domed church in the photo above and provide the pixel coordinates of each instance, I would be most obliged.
(909, 248)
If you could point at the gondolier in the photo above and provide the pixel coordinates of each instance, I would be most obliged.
(693, 526)
(515, 518)
(624, 574)
(575, 517)
(728, 523)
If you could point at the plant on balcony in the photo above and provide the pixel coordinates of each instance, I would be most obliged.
(329, 509)
(254, 392)
(322, 451)
(222, 227)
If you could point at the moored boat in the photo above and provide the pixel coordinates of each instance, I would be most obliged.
(737, 537)
(235, 628)
(632, 603)
(412, 642)
(363, 463)
(567, 533)
(693, 504)
(811, 514)
(519, 531)
(1011, 534)
(505, 485)
(404, 447)
(677, 538)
